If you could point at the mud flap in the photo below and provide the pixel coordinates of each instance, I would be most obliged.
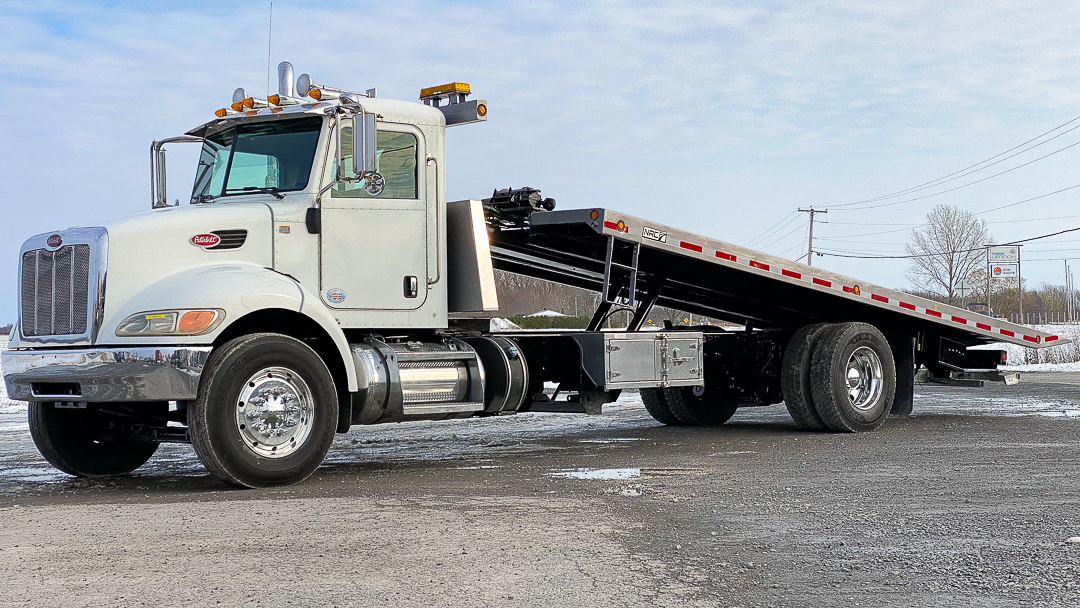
(903, 348)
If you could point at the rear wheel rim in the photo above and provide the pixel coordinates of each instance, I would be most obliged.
(274, 412)
(864, 378)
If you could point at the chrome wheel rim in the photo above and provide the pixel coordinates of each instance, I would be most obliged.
(274, 412)
(864, 378)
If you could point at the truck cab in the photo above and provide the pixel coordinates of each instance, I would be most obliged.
(317, 216)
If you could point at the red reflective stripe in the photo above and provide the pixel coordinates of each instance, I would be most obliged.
(690, 246)
(1006, 332)
(982, 326)
(726, 256)
(788, 273)
(957, 319)
(759, 265)
(907, 306)
(1032, 338)
(874, 296)
(1051, 338)
(611, 225)
(848, 289)
(822, 282)
(933, 313)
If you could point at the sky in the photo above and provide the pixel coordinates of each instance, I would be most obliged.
(718, 117)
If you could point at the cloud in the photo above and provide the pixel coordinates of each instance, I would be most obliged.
(720, 117)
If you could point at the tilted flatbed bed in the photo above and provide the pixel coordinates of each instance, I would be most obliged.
(697, 274)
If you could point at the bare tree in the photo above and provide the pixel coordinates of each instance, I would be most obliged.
(947, 250)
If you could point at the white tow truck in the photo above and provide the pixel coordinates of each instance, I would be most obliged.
(319, 279)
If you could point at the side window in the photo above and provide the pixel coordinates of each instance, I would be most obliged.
(395, 158)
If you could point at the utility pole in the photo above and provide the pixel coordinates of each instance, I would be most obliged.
(810, 247)
(1020, 283)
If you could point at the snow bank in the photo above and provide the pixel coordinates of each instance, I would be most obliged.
(1063, 358)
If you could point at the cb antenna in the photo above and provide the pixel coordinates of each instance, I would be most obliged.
(269, 39)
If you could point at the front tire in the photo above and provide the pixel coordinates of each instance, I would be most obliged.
(85, 442)
(266, 412)
(853, 378)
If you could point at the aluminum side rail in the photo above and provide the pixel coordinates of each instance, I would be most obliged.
(690, 272)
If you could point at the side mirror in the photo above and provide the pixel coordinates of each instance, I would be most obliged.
(364, 144)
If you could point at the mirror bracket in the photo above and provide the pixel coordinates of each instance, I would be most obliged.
(158, 195)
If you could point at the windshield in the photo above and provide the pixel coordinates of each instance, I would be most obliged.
(269, 156)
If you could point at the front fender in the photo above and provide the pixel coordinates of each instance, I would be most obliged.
(238, 288)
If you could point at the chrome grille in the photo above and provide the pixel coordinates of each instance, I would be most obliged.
(54, 291)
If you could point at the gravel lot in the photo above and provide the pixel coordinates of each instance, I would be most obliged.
(971, 502)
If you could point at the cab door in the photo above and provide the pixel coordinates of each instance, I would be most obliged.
(374, 245)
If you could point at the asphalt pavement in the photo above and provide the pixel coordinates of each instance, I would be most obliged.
(972, 501)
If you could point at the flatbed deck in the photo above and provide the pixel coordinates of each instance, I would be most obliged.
(631, 260)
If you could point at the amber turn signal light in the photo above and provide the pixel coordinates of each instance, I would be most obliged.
(195, 321)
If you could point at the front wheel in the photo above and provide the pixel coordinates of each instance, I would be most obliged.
(86, 442)
(266, 412)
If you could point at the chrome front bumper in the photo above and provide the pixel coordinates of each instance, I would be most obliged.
(104, 374)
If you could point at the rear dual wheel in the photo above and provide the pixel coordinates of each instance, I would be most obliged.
(688, 405)
(841, 377)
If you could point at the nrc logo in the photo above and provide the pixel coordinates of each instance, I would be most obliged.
(653, 234)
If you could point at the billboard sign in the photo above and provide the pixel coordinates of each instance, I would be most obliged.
(1004, 254)
(1005, 271)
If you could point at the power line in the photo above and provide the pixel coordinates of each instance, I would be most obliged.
(775, 226)
(937, 253)
(907, 190)
(1034, 198)
(965, 174)
(775, 241)
(789, 249)
(914, 226)
(978, 181)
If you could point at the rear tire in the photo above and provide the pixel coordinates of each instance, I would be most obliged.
(795, 376)
(699, 405)
(854, 378)
(657, 406)
(85, 442)
(266, 412)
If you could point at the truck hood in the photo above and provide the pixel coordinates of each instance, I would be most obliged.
(146, 246)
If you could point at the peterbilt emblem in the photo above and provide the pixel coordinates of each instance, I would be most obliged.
(54, 241)
(205, 240)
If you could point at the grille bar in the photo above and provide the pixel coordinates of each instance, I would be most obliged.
(54, 291)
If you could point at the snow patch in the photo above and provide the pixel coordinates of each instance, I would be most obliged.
(4, 401)
(546, 313)
(501, 324)
(604, 474)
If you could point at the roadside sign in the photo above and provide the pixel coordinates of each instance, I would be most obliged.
(1005, 271)
(963, 289)
(1004, 254)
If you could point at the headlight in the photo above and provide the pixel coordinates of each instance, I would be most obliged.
(171, 323)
